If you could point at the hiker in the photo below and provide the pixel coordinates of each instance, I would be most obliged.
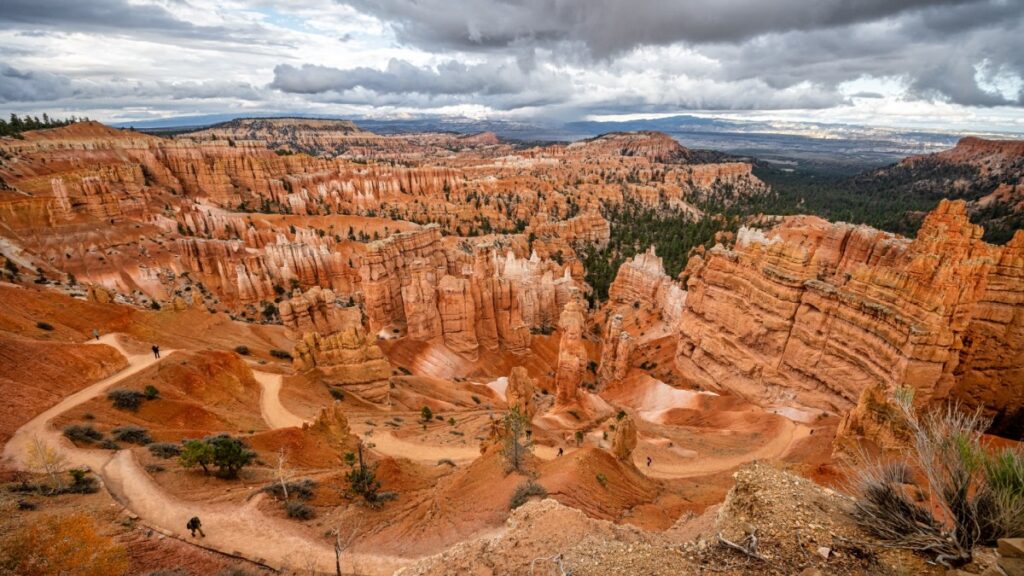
(648, 461)
(561, 450)
(96, 333)
(156, 351)
(193, 525)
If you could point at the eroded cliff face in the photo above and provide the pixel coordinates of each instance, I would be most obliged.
(641, 284)
(813, 314)
(476, 249)
(347, 358)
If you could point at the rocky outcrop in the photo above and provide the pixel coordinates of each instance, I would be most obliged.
(347, 359)
(625, 439)
(812, 313)
(519, 392)
(386, 268)
(641, 283)
(312, 311)
(615, 353)
(458, 315)
(331, 425)
(572, 354)
(419, 301)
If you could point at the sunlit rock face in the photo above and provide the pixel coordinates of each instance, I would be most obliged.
(814, 313)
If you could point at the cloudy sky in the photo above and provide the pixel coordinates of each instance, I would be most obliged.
(945, 64)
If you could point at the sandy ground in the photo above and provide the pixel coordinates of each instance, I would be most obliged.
(229, 528)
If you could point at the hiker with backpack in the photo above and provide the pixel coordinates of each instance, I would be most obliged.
(195, 525)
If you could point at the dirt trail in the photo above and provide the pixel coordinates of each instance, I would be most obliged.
(231, 529)
(273, 411)
(703, 465)
(386, 443)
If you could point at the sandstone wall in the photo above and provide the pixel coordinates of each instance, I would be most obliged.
(813, 313)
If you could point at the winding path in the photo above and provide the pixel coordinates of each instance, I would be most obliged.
(242, 530)
(232, 529)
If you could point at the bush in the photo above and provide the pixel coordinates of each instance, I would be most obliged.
(242, 350)
(299, 510)
(602, 479)
(132, 435)
(426, 414)
(974, 497)
(82, 482)
(44, 326)
(301, 489)
(523, 493)
(109, 444)
(228, 454)
(151, 392)
(336, 393)
(126, 399)
(85, 434)
(164, 450)
(280, 354)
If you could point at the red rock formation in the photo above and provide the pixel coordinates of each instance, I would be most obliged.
(625, 439)
(615, 354)
(419, 301)
(458, 315)
(312, 311)
(814, 313)
(572, 355)
(331, 424)
(519, 392)
(642, 283)
(347, 358)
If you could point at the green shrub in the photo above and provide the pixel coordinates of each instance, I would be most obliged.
(164, 450)
(81, 482)
(85, 434)
(126, 399)
(132, 435)
(523, 493)
(301, 489)
(44, 326)
(602, 479)
(280, 354)
(228, 454)
(151, 392)
(242, 350)
(974, 496)
(109, 444)
(299, 510)
(426, 414)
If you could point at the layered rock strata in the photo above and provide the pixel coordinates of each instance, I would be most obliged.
(813, 314)
(347, 358)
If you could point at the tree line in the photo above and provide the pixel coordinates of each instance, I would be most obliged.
(15, 125)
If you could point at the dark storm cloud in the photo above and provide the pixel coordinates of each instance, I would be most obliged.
(30, 86)
(115, 16)
(397, 78)
(20, 86)
(934, 46)
(607, 27)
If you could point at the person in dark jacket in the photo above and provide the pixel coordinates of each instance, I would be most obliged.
(194, 525)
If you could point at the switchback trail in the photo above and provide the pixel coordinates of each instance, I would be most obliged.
(240, 530)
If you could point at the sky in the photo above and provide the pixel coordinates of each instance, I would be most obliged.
(953, 65)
